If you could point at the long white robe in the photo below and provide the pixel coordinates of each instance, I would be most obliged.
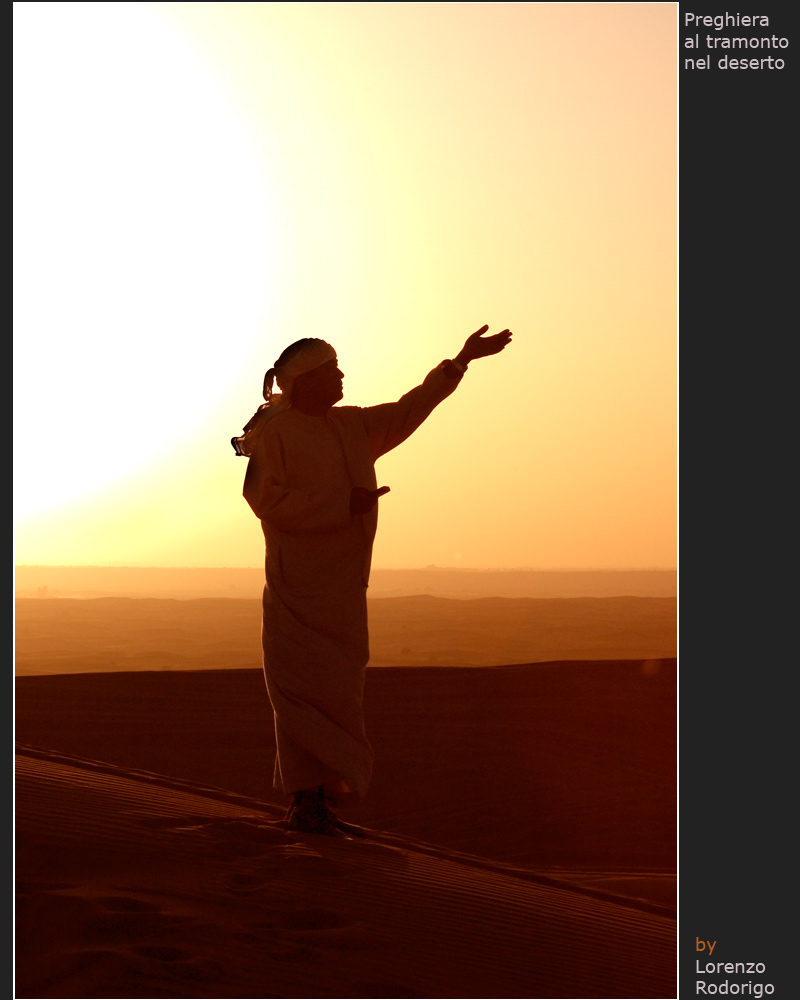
(318, 555)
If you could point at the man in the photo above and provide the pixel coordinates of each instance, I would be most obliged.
(311, 482)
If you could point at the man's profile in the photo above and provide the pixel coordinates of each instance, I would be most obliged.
(311, 482)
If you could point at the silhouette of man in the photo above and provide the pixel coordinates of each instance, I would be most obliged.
(311, 482)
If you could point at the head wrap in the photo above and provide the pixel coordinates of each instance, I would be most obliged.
(310, 355)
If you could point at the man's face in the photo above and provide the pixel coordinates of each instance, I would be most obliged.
(323, 385)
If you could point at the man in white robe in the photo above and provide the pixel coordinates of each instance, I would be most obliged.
(311, 482)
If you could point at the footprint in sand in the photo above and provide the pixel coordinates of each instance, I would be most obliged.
(299, 919)
(385, 991)
(321, 929)
(128, 918)
(245, 885)
(36, 911)
(162, 953)
(25, 888)
(126, 904)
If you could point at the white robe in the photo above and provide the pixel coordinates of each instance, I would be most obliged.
(318, 555)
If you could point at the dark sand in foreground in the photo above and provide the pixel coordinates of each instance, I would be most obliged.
(523, 845)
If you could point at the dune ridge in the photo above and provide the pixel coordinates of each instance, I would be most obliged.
(184, 894)
(522, 817)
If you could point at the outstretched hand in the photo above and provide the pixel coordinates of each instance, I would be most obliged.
(478, 346)
(363, 500)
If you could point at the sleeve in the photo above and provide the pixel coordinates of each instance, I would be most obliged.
(290, 508)
(389, 424)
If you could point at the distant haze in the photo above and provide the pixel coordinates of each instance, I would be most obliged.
(185, 583)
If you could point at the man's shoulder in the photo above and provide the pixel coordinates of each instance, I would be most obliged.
(288, 419)
(347, 414)
(288, 423)
(274, 424)
(351, 421)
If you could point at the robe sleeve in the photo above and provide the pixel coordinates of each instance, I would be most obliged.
(389, 424)
(287, 508)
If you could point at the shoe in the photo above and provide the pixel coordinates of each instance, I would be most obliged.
(309, 814)
(349, 828)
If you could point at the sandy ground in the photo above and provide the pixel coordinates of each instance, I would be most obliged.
(118, 633)
(522, 838)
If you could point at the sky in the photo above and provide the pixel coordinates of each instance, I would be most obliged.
(198, 185)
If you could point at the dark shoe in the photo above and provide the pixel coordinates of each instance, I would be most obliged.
(349, 828)
(309, 814)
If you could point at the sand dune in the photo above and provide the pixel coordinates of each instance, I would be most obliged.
(523, 844)
(78, 636)
(135, 888)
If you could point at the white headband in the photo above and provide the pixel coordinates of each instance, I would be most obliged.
(310, 356)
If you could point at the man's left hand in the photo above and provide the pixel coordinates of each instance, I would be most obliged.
(478, 346)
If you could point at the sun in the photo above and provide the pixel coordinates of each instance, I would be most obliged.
(144, 244)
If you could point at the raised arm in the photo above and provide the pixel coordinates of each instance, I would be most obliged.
(389, 424)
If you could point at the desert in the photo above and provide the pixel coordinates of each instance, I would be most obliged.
(342, 295)
(521, 820)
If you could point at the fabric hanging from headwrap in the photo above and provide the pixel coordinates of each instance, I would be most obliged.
(310, 355)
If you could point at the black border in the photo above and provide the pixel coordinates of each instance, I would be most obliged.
(736, 323)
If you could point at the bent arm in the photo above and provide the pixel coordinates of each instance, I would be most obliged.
(291, 508)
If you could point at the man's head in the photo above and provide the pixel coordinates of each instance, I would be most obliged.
(308, 376)
(319, 389)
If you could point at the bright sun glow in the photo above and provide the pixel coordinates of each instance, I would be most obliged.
(197, 185)
(142, 240)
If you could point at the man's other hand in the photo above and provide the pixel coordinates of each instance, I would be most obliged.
(363, 500)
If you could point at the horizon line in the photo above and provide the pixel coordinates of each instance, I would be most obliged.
(385, 569)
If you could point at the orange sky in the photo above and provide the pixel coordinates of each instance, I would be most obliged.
(197, 185)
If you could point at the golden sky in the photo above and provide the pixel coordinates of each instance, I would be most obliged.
(197, 185)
